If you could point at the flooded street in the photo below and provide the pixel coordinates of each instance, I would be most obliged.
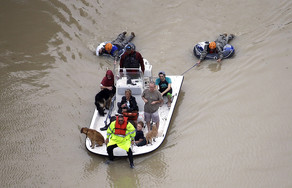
(232, 125)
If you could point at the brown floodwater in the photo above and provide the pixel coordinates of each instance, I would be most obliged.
(232, 126)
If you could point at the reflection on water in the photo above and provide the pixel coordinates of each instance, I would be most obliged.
(117, 179)
(229, 129)
(215, 67)
(149, 168)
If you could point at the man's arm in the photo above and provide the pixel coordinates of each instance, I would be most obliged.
(141, 62)
(116, 56)
(122, 61)
(220, 52)
(106, 87)
(167, 89)
(203, 54)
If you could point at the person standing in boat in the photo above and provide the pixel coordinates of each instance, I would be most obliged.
(120, 133)
(164, 85)
(216, 47)
(115, 48)
(108, 81)
(131, 59)
(152, 99)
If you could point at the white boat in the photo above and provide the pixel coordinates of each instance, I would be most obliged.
(137, 84)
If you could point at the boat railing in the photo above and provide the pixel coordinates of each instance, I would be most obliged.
(131, 78)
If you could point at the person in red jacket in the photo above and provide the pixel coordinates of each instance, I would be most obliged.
(108, 81)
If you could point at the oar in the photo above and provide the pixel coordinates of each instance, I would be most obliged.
(190, 68)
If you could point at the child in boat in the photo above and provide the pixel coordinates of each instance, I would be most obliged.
(140, 140)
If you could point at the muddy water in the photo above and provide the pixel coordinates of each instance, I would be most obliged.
(232, 123)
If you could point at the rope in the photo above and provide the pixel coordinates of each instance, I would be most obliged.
(190, 68)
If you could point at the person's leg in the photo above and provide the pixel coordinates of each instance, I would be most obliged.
(221, 41)
(157, 125)
(224, 39)
(120, 37)
(169, 96)
(130, 156)
(110, 151)
(119, 108)
(128, 39)
(147, 118)
(119, 40)
(142, 143)
(155, 118)
(230, 37)
(148, 125)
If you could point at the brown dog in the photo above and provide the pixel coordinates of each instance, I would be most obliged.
(152, 134)
(95, 137)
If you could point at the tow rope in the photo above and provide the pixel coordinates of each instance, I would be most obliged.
(189, 69)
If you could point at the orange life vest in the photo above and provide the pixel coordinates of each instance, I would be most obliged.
(121, 129)
(131, 115)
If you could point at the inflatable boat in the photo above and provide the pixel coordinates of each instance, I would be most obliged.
(228, 51)
(121, 51)
(137, 84)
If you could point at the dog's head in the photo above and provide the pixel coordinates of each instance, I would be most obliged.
(84, 130)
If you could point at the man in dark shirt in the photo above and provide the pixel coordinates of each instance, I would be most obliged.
(131, 59)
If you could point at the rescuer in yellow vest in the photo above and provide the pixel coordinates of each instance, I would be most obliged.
(120, 133)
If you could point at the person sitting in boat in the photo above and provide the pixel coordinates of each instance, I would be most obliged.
(128, 106)
(115, 48)
(131, 59)
(152, 99)
(120, 133)
(108, 81)
(164, 85)
(216, 47)
(140, 140)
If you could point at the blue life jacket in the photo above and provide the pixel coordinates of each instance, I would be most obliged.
(114, 48)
